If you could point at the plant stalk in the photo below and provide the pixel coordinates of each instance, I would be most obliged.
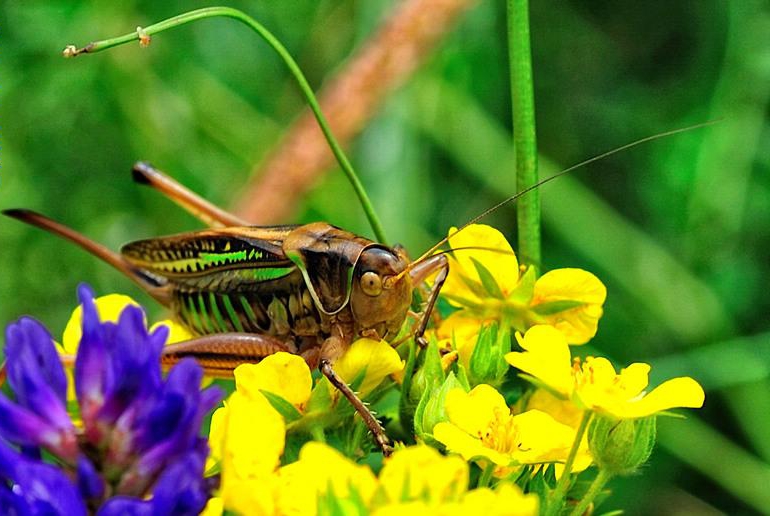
(524, 138)
(143, 34)
(555, 499)
(596, 487)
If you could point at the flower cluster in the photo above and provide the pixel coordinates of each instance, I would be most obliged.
(133, 445)
(249, 439)
(497, 415)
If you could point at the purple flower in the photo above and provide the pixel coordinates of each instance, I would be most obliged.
(138, 450)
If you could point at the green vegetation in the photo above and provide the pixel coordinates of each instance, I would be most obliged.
(677, 229)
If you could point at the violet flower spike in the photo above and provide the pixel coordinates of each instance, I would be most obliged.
(138, 449)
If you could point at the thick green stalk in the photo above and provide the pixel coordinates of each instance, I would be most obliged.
(524, 140)
(555, 499)
(596, 487)
(486, 475)
(143, 34)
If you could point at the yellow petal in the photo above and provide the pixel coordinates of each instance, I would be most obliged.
(216, 435)
(252, 445)
(546, 357)
(473, 411)
(634, 378)
(506, 500)
(176, 332)
(109, 308)
(563, 411)
(678, 392)
(415, 508)
(377, 358)
(541, 438)
(283, 374)
(468, 446)
(463, 332)
(319, 470)
(578, 324)
(600, 388)
(253, 437)
(214, 507)
(414, 472)
(501, 261)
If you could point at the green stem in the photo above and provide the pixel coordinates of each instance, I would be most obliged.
(556, 497)
(211, 12)
(317, 431)
(486, 475)
(524, 140)
(596, 487)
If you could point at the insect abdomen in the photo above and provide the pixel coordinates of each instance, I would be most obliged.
(279, 307)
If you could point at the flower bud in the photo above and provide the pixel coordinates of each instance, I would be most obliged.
(487, 363)
(621, 446)
(431, 408)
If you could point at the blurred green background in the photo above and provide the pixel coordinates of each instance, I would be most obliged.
(677, 229)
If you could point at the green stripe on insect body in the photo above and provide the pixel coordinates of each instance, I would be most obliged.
(249, 311)
(271, 273)
(231, 313)
(206, 324)
(217, 315)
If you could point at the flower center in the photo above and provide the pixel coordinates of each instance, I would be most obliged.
(502, 434)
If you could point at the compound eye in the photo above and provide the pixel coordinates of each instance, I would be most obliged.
(371, 284)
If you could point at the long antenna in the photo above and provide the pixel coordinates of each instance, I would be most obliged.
(540, 183)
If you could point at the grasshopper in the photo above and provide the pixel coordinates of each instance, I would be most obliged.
(247, 292)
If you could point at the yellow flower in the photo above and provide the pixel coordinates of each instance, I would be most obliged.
(481, 427)
(110, 307)
(505, 500)
(594, 384)
(566, 413)
(372, 358)
(321, 471)
(282, 374)
(252, 436)
(489, 285)
(422, 473)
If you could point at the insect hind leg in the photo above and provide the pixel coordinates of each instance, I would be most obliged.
(219, 354)
(200, 208)
(153, 285)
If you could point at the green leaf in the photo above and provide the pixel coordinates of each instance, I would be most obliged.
(525, 290)
(431, 410)
(487, 280)
(554, 307)
(286, 409)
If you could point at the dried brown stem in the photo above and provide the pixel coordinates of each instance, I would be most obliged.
(348, 100)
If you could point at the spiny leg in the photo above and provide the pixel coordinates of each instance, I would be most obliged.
(221, 353)
(214, 216)
(371, 422)
(419, 273)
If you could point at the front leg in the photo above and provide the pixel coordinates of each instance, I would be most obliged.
(420, 273)
(221, 353)
(332, 348)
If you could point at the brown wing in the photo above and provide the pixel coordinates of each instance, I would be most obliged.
(257, 252)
